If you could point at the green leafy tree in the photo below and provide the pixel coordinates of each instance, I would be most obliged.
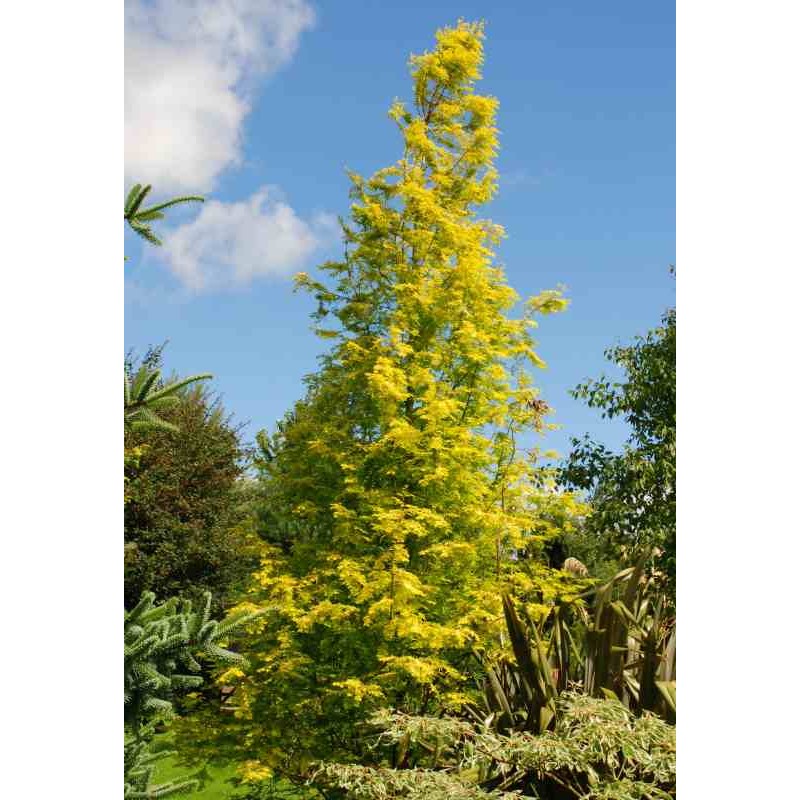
(187, 521)
(633, 492)
(397, 491)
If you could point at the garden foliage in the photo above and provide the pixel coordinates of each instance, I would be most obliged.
(187, 520)
(598, 750)
(164, 648)
(633, 492)
(397, 496)
(615, 640)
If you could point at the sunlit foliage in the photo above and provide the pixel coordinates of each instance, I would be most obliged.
(398, 500)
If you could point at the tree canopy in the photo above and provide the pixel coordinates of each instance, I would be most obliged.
(633, 492)
(186, 520)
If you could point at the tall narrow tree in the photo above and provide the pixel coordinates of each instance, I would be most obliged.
(397, 493)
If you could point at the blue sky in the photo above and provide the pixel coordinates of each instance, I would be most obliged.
(261, 105)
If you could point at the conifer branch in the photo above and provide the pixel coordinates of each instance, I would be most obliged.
(137, 220)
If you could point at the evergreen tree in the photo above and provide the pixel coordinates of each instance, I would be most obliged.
(146, 398)
(397, 491)
(162, 643)
(187, 521)
(164, 646)
(146, 395)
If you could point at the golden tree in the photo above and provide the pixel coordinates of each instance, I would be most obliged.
(397, 499)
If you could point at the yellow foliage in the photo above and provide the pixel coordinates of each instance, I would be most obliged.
(399, 490)
(255, 772)
(388, 381)
(358, 690)
(325, 613)
(421, 670)
(230, 675)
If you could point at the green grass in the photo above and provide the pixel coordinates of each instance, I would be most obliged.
(215, 779)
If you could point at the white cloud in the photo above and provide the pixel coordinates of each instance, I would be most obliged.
(189, 68)
(235, 243)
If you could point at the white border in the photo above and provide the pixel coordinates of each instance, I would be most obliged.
(61, 315)
(737, 283)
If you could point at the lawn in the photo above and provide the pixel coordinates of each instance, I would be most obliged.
(216, 780)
